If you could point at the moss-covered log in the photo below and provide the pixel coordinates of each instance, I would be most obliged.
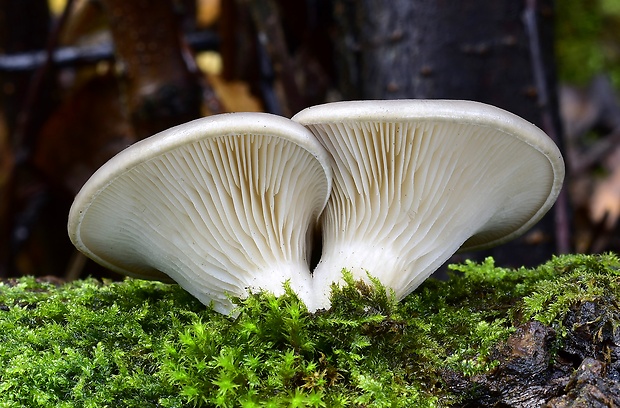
(487, 337)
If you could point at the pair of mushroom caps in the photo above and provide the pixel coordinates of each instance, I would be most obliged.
(230, 203)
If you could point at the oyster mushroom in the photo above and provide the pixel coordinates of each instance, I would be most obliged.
(221, 205)
(415, 180)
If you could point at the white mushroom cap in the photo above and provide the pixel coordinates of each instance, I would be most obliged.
(415, 180)
(221, 205)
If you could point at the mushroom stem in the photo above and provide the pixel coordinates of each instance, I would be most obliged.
(296, 274)
(200, 284)
(402, 266)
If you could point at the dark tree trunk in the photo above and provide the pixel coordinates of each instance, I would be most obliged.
(161, 90)
(19, 37)
(472, 49)
(19, 121)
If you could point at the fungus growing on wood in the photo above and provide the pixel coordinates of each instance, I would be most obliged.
(221, 205)
(415, 180)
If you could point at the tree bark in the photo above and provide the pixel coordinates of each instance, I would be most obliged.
(160, 88)
(14, 91)
(471, 49)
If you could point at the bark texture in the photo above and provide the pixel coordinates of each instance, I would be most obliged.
(472, 49)
(161, 90)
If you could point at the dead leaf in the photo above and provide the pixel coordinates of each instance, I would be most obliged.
(235, 95)
(605, 201)
(207, 12)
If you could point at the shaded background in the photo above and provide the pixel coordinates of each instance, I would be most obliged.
(82, 79)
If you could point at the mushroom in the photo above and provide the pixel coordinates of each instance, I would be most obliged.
(415, 180)
(222, 205)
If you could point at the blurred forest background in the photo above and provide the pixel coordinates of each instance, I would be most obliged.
(82, 79)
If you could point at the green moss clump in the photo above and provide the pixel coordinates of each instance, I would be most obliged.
(86, 343)
(146, 344)
(587, 40)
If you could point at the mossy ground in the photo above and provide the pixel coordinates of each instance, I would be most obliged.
(146, 344)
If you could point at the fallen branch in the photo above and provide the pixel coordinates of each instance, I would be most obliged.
(90, 54)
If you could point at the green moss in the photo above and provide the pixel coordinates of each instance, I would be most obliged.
(141, 344)
(587, 39)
